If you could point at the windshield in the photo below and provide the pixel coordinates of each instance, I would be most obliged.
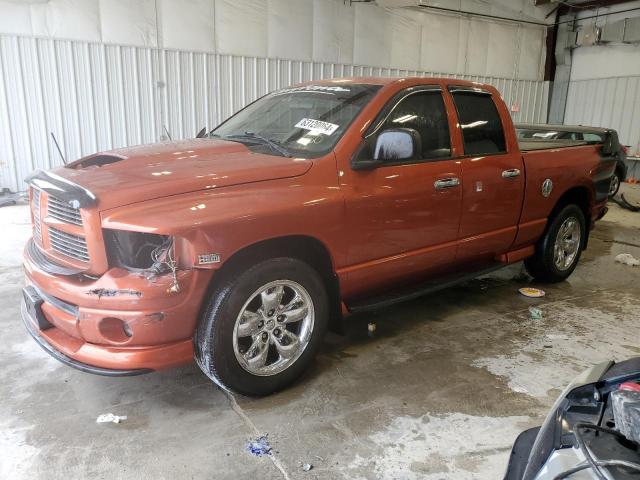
(302, 121)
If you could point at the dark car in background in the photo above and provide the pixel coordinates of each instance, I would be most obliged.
(579, 134)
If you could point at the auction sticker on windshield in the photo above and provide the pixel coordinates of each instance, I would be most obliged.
(317, 126)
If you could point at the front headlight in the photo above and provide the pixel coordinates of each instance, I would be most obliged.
(139, 251)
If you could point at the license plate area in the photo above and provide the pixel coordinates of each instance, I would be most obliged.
(33, 303)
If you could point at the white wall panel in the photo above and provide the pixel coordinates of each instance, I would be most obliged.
(15, 17)
(372, 36)
(477, 47)
(332, 31)
(604, 85)
(290, 29)
(308, 30)
(72, 19)
(406, 40)
(502, 53)
(130, 23)
(188, 24)
(441, 33)
(241, 27)
(532, 49)
(607, 102)
(95, 97)
(603, 61)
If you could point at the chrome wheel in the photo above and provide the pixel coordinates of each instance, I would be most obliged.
(615, 184)
(567, 244)
(273, 328)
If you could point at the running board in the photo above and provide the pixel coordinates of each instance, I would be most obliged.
(417, 291)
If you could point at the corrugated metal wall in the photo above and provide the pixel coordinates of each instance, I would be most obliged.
(96, 97)
(607, 102)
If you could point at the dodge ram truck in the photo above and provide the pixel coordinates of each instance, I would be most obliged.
(241, 249)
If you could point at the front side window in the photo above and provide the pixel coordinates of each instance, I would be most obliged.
(425, 113)
(482, 132)
(302, 121)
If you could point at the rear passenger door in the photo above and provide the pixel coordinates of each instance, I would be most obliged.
(492, 175)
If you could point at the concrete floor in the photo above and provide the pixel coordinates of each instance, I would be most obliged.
(440, 393)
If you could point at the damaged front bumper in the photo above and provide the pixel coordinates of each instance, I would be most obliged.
(47, 346)
(122, 323)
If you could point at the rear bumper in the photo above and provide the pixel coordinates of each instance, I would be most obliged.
(102, 360)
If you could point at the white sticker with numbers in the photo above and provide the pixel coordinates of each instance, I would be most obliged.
(317, 126)
(208, 258)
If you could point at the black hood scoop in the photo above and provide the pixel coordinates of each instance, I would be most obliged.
(99, 160)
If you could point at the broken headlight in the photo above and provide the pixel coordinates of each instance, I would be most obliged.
(139, 251)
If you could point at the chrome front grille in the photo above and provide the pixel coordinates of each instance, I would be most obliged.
(63, 211)
(35, 208)
(67, 244)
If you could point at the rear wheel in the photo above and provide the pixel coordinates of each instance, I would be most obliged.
(558, 251)
(615, 184)
(262, 328)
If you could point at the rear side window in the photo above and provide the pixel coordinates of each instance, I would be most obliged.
(481, 127)
(592, 137)
(425, 113)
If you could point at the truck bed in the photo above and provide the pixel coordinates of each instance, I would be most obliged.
(529, 141)
(530, 144)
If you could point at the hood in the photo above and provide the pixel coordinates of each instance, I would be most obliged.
(135, 174)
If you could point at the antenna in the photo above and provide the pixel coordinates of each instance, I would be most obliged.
(58, 147)
(167, 132)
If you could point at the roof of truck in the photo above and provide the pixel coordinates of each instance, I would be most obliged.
(389, 80)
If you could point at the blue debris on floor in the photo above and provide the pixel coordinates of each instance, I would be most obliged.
(259, 447)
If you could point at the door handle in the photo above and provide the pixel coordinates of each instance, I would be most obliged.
(514, 172)
(445, 183)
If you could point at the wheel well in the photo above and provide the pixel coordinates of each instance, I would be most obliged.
(576, 196)
(307, 249)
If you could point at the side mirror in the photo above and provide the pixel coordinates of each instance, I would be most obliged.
(391, 145)
(396, 144)
(202, 133)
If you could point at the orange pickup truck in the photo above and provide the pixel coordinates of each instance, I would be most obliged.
(243, 247)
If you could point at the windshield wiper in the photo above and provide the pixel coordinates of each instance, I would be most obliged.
(260, 139)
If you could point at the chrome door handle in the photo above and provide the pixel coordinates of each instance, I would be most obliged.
(514, 172)
(445, 183)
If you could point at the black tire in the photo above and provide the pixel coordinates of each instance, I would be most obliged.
(541, 265)
(214, 336)
(616, 179)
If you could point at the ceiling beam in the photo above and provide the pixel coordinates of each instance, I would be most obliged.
(566, 7)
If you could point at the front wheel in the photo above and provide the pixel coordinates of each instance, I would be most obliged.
(262, 328)
(558, 251)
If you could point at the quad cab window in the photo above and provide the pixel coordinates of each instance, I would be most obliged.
(421, 112)
(482, 131)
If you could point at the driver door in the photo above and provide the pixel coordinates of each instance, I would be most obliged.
(403, 216)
